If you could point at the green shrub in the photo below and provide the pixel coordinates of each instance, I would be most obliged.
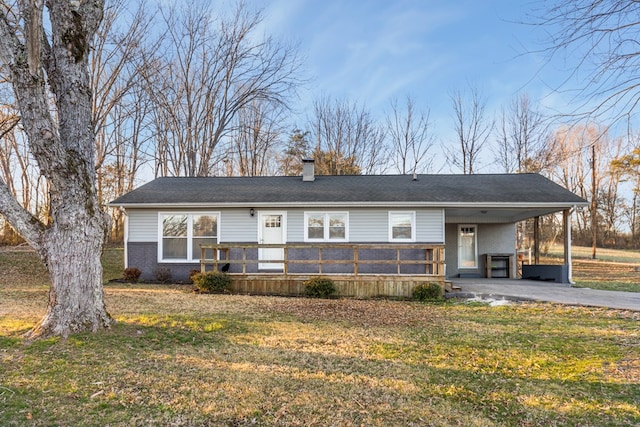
(428, 292)
(211, 281)
(132, 274)
(319, 287)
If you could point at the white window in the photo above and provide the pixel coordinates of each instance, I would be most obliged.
(467, 246)
(402, 226)
(181, 234)
(326, 226)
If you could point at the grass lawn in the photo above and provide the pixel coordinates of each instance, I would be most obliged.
(612, 270)
(183, 359)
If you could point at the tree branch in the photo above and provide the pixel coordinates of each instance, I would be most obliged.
(8, 41)
(28, 226)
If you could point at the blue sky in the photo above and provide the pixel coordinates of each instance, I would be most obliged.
(372, 50)
(369, 51)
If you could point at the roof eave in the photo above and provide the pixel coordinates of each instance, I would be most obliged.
(489, 205)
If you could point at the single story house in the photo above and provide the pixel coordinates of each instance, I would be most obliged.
(380, 232)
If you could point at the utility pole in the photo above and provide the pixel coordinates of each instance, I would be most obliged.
(594, 211)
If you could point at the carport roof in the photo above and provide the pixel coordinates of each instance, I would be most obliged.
(448, 191)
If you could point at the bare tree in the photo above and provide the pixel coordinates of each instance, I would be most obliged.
(610, 199)
(9, 120)
(129, 138)
(630, 213)
(627, 166)
(13, 161)
(63, 145)
(14, 158)
(116, 49)
(522, 138)
(521, 146)
(598, 40)
(472, 128)
(603, 36)
(581, 163)
(112, 64)
(256, 139)
(347, 139)
(206, 74)
(411, 137)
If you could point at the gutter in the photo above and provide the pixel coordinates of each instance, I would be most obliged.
(325, 204)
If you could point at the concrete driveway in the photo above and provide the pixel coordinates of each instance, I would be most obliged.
(507, 289)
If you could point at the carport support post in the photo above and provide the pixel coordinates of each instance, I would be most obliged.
(536, 240)
(566, 227)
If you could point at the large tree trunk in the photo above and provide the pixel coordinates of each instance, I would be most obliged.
(76, 301)
(62, 143)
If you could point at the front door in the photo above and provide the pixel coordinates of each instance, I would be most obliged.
(271, 232)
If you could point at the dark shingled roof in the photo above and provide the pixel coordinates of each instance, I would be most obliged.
(441, 190)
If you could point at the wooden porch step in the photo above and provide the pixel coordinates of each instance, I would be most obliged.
(448, 286)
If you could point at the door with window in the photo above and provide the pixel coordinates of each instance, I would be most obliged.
(467, 247)
(271, 232)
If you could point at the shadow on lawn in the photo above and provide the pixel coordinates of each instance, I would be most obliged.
(214, 371)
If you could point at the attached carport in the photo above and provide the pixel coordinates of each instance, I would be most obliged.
(513, 213)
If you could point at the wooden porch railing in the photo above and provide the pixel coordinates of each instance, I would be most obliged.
(433, 262)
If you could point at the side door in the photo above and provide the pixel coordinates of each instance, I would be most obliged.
(467, 246)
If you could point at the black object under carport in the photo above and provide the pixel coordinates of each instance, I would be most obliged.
(546, 272)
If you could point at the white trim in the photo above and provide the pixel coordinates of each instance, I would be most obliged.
(189, 214)
(475, 246)
(126, 238)
(568, 242)
(413, 225)
(326, 226)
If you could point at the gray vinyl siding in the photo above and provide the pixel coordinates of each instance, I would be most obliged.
(430, 226)
(236, 225)
(369, 225)
(295, 225)
(372, 225)
(497, 238)
(475, 219)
